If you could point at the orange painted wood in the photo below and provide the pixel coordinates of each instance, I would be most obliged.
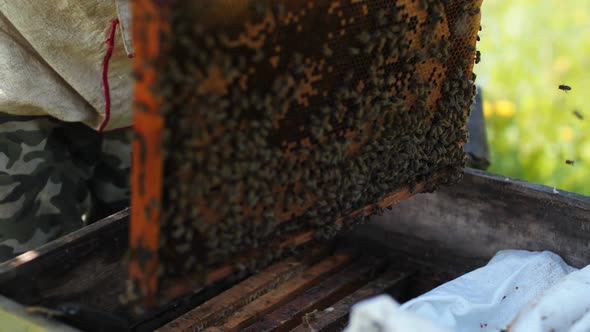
(150, 23)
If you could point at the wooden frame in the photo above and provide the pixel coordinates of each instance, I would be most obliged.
(151, 24)
(152, 30)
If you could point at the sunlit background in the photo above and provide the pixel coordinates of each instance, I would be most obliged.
(529, 47)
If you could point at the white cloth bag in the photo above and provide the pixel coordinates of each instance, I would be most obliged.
(516, 291)
(51, 60)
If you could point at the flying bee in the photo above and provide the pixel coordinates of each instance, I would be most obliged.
(570, 162)
(578, 114)
(565, 87)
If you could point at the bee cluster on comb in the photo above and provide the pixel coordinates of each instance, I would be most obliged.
(280, 122)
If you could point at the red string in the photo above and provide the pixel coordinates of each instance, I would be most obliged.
(105, 74)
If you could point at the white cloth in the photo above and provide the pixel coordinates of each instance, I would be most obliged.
(516, 291)
(51, 58)
(563, 307)
(383, 314)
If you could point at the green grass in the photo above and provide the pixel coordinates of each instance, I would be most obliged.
(528, 48)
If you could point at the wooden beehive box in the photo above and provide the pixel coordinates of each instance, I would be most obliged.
(486, 213)
(262, 125)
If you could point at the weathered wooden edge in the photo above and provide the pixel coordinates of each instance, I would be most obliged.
(35, 260)
(535, 190)
(486, 213)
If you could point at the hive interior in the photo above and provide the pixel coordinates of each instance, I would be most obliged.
(287, 117)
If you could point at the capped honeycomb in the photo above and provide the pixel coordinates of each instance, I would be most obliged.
(264, 124)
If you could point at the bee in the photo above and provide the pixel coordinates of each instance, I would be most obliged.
(578, 115)
(565, 87)
(570, 162)
(354, 51)
(364, 38)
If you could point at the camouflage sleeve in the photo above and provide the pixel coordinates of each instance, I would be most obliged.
(46, 179)
(110, 182)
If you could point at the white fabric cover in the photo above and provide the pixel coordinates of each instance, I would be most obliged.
(516, 291)
(51, 55)
(382, 313)
(563, 307)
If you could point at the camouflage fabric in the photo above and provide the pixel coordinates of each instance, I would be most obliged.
(56, 177)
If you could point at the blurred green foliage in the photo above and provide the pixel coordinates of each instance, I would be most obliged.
(529, 47)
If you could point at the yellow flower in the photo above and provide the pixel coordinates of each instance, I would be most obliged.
(505, 108)
(580, 17)
(566, 134)
(561, 65)
(488, 109)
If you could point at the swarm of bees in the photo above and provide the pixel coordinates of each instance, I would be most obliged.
(576, 113)
(276, 124)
